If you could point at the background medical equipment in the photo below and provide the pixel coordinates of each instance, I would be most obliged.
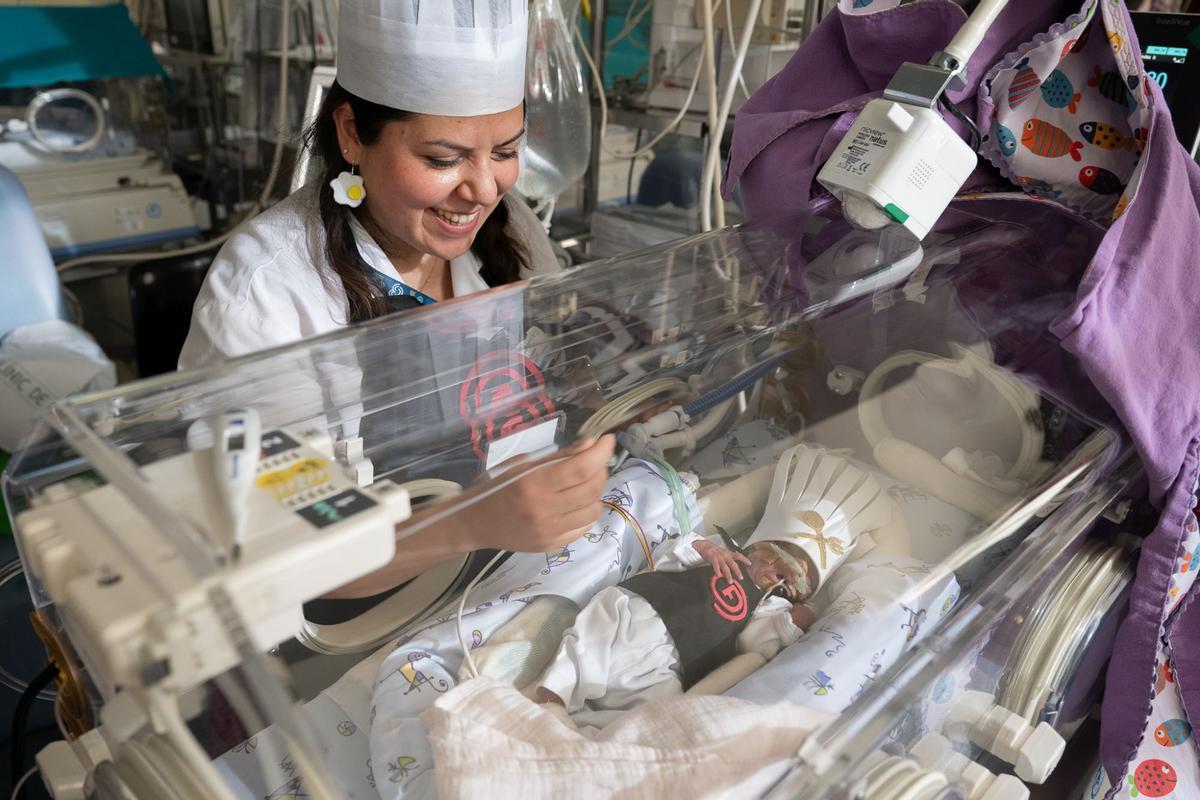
(558, 122)
(1171, 51)
(85, 132)
(92, 186)
(712, 355)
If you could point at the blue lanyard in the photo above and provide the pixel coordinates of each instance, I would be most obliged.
(394, 288)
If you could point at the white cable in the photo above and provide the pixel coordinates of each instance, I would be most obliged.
(666, 131)
(622, 408)
(733, 47)
(21, 783)
(671, 126)
(708, 183)
(1023, 401)
(58, 720)
(630, 22)
(710, 87)
(272, 175)
(469, 659)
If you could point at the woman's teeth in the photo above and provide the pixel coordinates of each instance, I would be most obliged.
(456, 219)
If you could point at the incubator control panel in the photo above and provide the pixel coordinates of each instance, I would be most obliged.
(139, 610)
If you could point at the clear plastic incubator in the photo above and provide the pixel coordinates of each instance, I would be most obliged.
(893, 420)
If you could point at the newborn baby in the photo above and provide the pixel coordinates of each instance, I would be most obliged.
(660, 632)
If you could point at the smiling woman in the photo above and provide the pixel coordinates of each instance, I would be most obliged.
(412, 206)
(434, 192)
(419, 143)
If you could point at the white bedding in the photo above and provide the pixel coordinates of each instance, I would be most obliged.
(490, 741)
(863, 627)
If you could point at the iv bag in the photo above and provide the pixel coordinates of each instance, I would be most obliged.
(558, 114)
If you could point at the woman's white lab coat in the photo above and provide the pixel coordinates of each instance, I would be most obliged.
(271, 283)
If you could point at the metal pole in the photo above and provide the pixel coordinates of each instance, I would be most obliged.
(591, 183)
(812, 16)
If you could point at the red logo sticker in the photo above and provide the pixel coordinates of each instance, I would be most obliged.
(730, 600)
(503, 393)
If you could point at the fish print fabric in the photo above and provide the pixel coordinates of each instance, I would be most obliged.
(1074, 100)
(1139, 291)
(1167, 763)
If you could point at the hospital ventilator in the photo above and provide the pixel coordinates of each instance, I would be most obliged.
(175, 531)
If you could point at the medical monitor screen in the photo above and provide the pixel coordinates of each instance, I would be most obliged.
(1171, 51)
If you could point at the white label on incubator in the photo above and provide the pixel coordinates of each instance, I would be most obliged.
(531, 440)
(859, 155)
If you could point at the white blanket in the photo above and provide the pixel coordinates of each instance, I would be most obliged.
(490, 741)
(870, 621)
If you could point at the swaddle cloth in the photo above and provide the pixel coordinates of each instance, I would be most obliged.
(490, 741)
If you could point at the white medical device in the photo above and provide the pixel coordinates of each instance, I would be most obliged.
(134, 603)
(901, 162)
(142, 581)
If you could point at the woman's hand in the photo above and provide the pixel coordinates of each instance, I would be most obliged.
(538, 506)
(724, 562)
(544, 504)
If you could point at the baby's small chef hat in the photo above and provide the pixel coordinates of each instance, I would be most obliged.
(821, 503)
(456, 58)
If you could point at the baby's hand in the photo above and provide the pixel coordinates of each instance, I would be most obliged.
(802, 616)
(724, 562)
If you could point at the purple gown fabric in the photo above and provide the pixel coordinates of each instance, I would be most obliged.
(1136, 315)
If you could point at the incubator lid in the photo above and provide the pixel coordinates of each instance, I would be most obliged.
(178, 532)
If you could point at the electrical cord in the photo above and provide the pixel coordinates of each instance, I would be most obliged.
(708, 183)
(268, 188)
(20, 721)
(468, 659)
(623, 408)
(733, 47)
(631, 22)
(58, 721)
(21, 783)
(947, 104)
(598, 81)
(707, 203)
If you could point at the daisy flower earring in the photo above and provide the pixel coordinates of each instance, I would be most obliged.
(348, 189)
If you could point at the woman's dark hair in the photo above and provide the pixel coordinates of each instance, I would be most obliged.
(502, 256)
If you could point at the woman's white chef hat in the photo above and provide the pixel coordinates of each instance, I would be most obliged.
(456, 58)
(821, 503)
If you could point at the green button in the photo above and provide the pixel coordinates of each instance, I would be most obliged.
(895, 212)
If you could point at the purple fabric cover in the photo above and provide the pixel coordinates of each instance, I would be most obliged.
(1135, 321)
(787, 129)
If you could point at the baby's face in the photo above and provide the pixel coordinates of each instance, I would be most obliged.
(767, 568)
